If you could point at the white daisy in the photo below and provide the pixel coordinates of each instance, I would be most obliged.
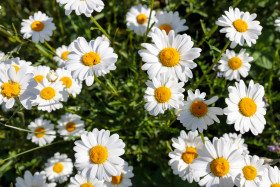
(40, 27)
(98, 155)
(82, 6)
(40, 72)
(238, 141)
(29, 180)
(104, 38)
(196, 113)
(41, 125)
(62, 53)
(17, 63)
(277, 24)
(80, 181)
(89, 59)
(246, 107)
(169, 53)
(240, 26)
(218, 163)
(70, 124)
(163, 93)
(233, 65)
(185, 153)
(2, 55)
(137, 18)
(271, 177)
(50, 96)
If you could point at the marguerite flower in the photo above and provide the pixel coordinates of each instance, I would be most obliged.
(277, 24)
(80, 181)
(59, 168)
(238, 141)
(98, 155)
(29, 180)
(40, 72)
(271, 177)
(169, 53)
(218, 164)
(137, 18)
(240, 26)
(40, 27)
(91, 59)
(246, 107)
(163, 93)
(196, 113)
(185, 153)
(62, 53)
(70, 124)
(41, 125)
(17, 63)
(233, 65)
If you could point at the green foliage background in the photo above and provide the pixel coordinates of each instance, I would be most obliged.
(116, 101)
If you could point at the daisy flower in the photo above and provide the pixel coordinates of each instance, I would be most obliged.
(238, 141)
(98, 155)
(124, 179)
(277, 24)
(41, 125)
(62, 53)
(85, 7)
(271, 177)
(137, 18)
(29, 180)
(185, 153)
(89, 59)
(17, 63)
(240, 26)
(218, 163)
(50, 96)
(169, 53)
(40, 27)
(196, 113)
(162, 94)
(80, 181)
(2, 55)
(246, 107)
(104, 38)
(70, 124)
(233, 65)
(40, 72)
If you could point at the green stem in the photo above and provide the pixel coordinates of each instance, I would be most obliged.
(202, 137)
(50, 47)
(149, 21)
(100, 28)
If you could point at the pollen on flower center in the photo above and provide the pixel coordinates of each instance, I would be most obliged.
(141, 18)
(70, 126)
(86, 185)
(37, 26)
(163, 94)
(240, 25)
(91, 58)
(98, 154)
(166, 27)
(41, 130)
(169, 57)
(199, 108)
(64, 55)
(247, 106)
(117, 179)
(275, 185)
(48, 93)
(39, 78)
(249, 172)
(219, 167)
(235, 63)
(10, 89)
(16, 68)
(58, 167)
(189, 155)
(66, 81)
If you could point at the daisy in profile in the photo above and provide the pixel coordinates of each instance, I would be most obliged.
(90, 58)
(233, 65)
(218, 163)
(85, 7)
(71, 125)
(196, 112)
(163, 93)
(59, 168)
(62, 53)
(240, 27)
(124, 179)
(40, 72)
(246, 107)
(169, 53)
(80, 181)
(98, 155)
(40, 27)
(17, 63)
(238, 141)
(137, 18)
(29, 180)
(185, 153)
(277, 24)
(39, 126)
(271, 177)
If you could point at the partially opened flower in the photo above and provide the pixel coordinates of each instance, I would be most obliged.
(62, 53)
(29, 180)
(80, 181)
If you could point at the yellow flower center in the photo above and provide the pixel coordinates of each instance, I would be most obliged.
(40, 130)
(249, 172)
(199, 109)
(247, 106)
(37, 26)
(86, 185)
(219, 167)
(275, 185)
(48, 93)
(39, 78)
(58, 167)
(10, 89)
(98, 154)
(166, 27)
(169, 57)
(66, 81)
(240, 25)
(162, 94)
(117, 179)
(91, 58)
(189, 155)
(64, 55)
(141, 18)
(235, 63)
(16, 68)
(70, 126)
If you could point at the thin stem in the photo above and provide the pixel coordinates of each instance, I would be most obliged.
(50, 47)
(100, 28)
(149, 21)
(202, 137)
